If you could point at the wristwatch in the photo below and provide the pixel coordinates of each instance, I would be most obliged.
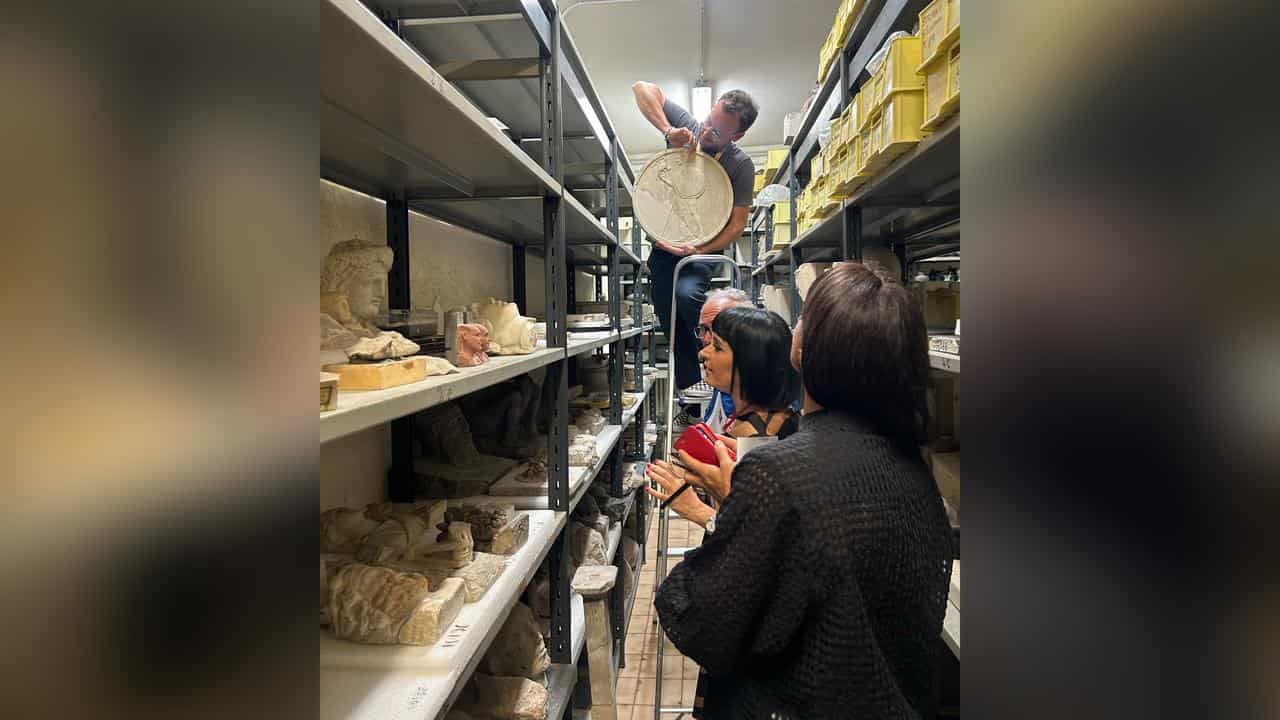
(711, 523)
(667, 135)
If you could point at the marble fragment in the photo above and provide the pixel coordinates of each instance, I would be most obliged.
(383, 606)
(383, 346)
(509, 332)
(454, 550)
(486, 517)
(630, 550)
(582, 453)
(344, 529)
(395, 538)
(504, 698)
(587, 546)
(510, 538)
(518, 650)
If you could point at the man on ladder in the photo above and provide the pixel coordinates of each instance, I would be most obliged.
(717, 135)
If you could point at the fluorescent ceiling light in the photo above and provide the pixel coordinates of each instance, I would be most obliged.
(701, 102)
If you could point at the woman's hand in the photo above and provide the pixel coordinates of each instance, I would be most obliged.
(715, 479)
(670, 478)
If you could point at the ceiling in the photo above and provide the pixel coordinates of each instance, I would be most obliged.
(766, 47)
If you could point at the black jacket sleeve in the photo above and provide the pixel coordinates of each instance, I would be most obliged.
(744, 592)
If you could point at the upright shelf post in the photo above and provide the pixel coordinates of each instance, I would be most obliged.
(400, 484)
(519, 280)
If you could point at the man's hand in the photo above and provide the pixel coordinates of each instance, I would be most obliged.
(677, 250)
(679, 137)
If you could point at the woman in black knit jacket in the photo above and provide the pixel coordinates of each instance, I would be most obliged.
(820, 590)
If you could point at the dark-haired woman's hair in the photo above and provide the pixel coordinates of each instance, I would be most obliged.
(865, 350)
(761, 344)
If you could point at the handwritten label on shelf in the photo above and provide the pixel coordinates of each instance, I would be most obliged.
(455, 635)
(417, 698)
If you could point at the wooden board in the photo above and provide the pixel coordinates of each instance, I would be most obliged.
(378, 376)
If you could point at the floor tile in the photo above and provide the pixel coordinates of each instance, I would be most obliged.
(626, 690)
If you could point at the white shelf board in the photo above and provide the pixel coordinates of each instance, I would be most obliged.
(394, 690)
(626, 334)
(581, 342)
(949, 362)
(561, 680)
(361, 409)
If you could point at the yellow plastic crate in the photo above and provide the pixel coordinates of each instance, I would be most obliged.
(847, 130)
(900, 68)
(899, 128)
(866, 150)
(760, 180)
(781, 236)
(873, 90)
(942, 91)
(777, 156)
(953, 23)
(939, 30)
(782, 212)
(953, 75)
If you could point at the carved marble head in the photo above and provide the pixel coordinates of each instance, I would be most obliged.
(358, 270)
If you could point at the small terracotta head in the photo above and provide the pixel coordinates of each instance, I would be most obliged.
(473, 344)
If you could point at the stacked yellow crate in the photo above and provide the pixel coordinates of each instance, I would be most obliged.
(894, 98)
(940, 65)
(777, 156)
(846, 13)
(781, 224)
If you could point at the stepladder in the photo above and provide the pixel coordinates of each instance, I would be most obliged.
(665, 551)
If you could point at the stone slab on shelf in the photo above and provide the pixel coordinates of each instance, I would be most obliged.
(358, 410)
(472, 629)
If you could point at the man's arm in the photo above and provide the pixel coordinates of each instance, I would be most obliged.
(651, 101)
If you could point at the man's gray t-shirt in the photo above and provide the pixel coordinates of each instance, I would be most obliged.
(737, 165)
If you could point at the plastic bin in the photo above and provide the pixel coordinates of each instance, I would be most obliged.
(935, 97)
(760, 180)
(953, 75)
(777, 156)
(933, 31)
(953, 23)
(782, 212)
(898, 71)
(899, 126)
(781, 235)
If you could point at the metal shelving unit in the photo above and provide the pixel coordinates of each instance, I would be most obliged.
(488, 121)
(912, 206)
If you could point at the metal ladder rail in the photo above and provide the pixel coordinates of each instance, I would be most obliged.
(660, 563)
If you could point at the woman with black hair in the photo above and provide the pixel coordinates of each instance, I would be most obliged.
(757, 375)
(820, 588)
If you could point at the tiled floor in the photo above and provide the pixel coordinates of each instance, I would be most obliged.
(636, 689)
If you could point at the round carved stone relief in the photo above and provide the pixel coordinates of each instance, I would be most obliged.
(683, 198)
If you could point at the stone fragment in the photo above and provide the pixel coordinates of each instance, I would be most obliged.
(630, 550)
(454, 551)
(480, 575)
(587, 546)
(538, 594)
(486, 518)
(383, 606)
(395, 538)
(383, 346)
(518, 650)
(504, 698)
(343, 530)
(510, 538)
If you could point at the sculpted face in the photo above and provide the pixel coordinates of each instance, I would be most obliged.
(473, 342)
(366, 294)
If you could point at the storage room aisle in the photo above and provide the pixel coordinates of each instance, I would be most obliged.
(637, 681)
